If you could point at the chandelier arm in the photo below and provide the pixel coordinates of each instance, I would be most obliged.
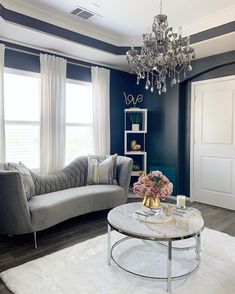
(181, 69)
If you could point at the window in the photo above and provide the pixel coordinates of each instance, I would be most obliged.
(79, 117)
(22, 117)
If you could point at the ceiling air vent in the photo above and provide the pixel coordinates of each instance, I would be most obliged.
(82, 13)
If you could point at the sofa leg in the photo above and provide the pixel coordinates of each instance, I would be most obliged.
(35, 240)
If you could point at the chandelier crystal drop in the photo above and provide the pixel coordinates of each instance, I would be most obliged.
(163, 55)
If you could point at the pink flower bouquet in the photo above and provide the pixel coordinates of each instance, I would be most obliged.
(154, 184)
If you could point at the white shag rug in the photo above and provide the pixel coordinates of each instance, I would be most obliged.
(83, 269)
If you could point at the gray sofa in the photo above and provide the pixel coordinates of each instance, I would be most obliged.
(58, 197)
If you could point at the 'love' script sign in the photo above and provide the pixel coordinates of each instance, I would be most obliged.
(131, 99)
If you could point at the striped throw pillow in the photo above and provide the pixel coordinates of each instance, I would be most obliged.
(102, 170)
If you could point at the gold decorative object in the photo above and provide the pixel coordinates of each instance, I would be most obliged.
(135, 146)
(151, 202)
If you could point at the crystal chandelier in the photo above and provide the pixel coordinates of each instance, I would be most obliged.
(164, 54)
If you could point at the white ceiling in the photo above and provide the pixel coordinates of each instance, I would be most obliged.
(41, 41)
(131, 18)
(35, 39)
(122, 21)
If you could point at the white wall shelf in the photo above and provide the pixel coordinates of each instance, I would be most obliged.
(135, 152)
(138, 112)
(139, 157)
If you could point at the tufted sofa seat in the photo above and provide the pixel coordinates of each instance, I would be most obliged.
(58, 197)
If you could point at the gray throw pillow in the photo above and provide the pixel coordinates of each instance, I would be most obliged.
(102, 169)
(26, 178)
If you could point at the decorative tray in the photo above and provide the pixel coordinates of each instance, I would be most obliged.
(144, 216)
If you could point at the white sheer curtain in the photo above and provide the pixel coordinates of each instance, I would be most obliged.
(53, 92)
(2, 121)
(101, 110)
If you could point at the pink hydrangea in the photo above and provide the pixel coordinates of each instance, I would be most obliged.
(154, 184)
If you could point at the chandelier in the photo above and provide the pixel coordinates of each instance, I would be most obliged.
(163, 55)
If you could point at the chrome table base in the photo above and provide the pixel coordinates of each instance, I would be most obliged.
(169, 246)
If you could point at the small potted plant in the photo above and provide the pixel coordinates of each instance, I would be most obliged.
(135, 119)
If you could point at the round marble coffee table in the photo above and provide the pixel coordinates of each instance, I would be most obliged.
(121, 220)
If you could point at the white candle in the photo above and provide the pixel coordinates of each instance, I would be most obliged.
(181, 199)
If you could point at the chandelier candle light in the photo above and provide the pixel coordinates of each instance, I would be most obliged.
(163, 54)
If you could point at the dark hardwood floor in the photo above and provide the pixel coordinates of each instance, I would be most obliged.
(17, 250)
(217, 218)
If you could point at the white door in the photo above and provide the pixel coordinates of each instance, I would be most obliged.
(213, 142)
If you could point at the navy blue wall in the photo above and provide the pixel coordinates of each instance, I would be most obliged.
(162, 137)
(168, 138)
(119, 82)
(168, 115)
(22, 61)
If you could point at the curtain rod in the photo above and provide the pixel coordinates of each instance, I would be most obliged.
(37, 54)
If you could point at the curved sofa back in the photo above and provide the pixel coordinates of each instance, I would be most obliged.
(73, 175)
(15, 215)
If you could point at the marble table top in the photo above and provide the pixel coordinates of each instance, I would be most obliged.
(121, 218)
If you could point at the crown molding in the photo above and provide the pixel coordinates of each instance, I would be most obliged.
(41, 18)
(65, 20)
(47, 14)
(107, 58)
(218, 45)
(197, 26)
(207, 43)
(211, 21)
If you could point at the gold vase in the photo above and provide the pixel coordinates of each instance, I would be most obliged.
(151, 202)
